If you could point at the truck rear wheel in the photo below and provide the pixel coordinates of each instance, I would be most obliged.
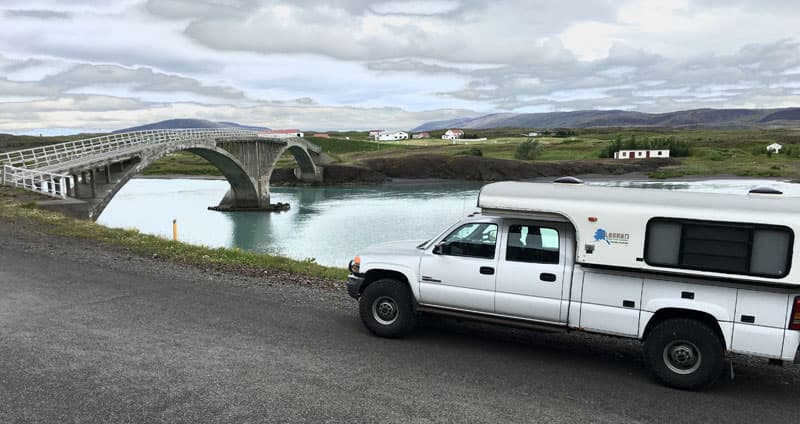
(386, 308)
(684, 353)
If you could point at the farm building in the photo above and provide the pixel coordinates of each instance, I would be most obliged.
(392, 136)
(774, 148)
(641, 154)
(421, 135)
(453, 135)
(290, 133)
(322, 135)
(373, 133)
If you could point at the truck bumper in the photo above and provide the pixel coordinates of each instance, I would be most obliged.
(354, 283)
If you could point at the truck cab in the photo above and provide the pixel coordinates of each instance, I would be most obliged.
(539, 265)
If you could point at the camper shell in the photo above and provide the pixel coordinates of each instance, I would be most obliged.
(616, 228)
(696, 277)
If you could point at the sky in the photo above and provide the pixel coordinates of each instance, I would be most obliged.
(72, 66)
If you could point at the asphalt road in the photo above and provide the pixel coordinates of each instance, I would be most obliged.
(88, 335)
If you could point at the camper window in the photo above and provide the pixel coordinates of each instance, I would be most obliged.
(759, 250)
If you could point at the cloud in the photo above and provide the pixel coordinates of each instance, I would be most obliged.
(37, 14)
(329, 64)
(94, 79)
(107, 113)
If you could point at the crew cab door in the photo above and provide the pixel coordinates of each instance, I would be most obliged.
(459, 271)
(530, 273)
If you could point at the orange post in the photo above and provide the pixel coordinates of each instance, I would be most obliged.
(174, 230)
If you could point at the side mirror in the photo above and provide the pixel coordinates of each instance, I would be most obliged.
(437, 250)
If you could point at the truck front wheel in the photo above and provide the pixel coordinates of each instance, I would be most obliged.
(684, 353)
(386, 308)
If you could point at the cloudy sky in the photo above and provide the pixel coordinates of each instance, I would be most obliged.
(68, 65)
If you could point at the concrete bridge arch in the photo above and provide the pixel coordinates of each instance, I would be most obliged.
(244, 158)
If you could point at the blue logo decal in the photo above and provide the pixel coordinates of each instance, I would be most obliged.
(600, 235)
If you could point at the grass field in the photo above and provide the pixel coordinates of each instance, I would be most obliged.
(10, 142)
(712, 152)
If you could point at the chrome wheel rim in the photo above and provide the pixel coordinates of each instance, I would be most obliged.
(384, 310)
(682, 357)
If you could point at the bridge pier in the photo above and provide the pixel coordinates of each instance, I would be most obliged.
(258, 160)
(94, 184)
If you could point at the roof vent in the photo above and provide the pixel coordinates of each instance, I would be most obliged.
(568, 180)
(765, 190)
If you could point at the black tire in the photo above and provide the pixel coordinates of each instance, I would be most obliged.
(684, 353)
(387, 308)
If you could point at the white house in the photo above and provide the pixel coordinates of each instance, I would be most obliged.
(641, 154)
(373, 133)
(774, 148)
(421, 135)
(453, 135)
(392, 136)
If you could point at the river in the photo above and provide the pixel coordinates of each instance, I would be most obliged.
(328, 224)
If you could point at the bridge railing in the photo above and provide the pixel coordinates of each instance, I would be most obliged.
(55, 153)
(47, 183)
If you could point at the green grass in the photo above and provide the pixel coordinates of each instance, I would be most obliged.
(10, 142)
(337, 146)
(713, 152)
(181, 163)
(16, 206)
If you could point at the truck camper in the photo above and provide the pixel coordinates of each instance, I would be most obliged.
(695, 277)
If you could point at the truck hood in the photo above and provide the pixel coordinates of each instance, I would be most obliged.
(404, 247)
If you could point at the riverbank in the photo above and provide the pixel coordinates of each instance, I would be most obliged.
(18, 209)
(423, 167)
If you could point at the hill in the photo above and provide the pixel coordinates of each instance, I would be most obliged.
(177, 124)
(706, 118)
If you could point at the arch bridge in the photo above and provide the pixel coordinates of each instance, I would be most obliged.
(86, 174)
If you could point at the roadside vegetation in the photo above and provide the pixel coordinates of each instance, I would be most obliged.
(16, 206)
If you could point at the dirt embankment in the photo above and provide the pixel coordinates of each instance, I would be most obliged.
(472, 168)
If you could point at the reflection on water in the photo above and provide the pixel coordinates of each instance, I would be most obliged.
(329, 224)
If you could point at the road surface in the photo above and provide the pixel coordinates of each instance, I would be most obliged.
(92, 335)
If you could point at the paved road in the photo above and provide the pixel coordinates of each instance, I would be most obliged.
(93, 336)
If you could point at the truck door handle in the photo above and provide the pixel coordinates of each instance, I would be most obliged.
(546, 276)
(487, 270)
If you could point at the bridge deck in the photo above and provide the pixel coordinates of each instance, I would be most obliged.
(93, 160)
(45, 169)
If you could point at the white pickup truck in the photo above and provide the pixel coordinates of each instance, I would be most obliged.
(694, 276)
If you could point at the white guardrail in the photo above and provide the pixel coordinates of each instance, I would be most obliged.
(20, 167)
(55, 153)
(47, 183)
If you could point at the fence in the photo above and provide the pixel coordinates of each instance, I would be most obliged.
(47, 183)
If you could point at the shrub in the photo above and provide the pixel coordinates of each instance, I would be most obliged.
(474, 151)
(528, 150)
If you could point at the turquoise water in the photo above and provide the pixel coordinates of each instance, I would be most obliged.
(329, 224)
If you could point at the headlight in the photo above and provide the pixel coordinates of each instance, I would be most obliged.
(355, 265)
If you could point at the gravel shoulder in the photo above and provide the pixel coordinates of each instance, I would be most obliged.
(92, 333)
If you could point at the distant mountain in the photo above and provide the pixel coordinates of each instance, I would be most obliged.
(177, 124)
(710, 118)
